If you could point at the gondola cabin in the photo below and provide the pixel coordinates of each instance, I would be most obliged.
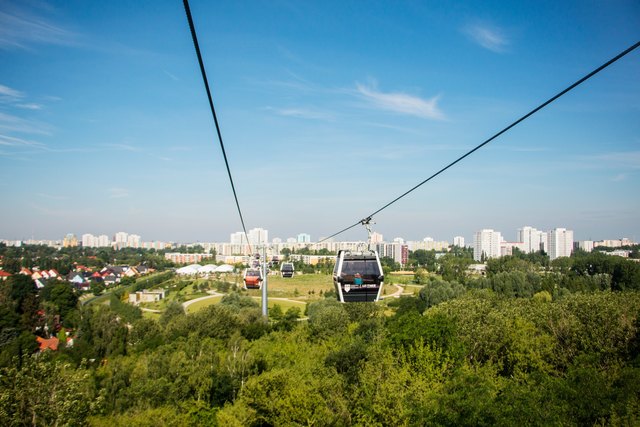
(286, 269)
(358, 276)
(252, 278)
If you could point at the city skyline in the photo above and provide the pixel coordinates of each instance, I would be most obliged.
(529, 237)
(328, 111)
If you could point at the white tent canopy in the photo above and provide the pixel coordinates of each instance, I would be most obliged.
(224, 268)
(194, 269)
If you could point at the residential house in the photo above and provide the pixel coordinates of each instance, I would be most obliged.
(48, 343)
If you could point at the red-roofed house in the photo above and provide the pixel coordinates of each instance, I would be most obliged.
(26, 271)
(4, 275)
(48, 344)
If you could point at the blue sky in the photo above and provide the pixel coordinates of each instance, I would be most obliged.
(328, 111)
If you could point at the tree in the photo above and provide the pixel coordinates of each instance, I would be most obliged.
(62, 296)
(454, 268)
(44, 392)
(97, 288)
(174, 309)
(423, 258)
(437, 290)
(420, 276)
(327, 317)
(286, 252)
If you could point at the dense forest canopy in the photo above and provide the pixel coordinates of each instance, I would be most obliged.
(532, 342)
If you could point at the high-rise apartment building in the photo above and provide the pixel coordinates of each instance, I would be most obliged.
(101, 241)
(237, 238)
(258, 236)
(458, 241)
(304, 238)
(70, 241)
(585, 245)
(104, 241)
(486, 242)
(120, 239)
(89, 241)
(560, 242)
(376, 238)
(532, 239)
(398, 251)
(134, 241)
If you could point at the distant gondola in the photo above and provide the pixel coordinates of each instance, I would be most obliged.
(252, 278)
(358, 276)
(286, 269)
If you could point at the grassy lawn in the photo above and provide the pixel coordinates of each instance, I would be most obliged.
(285, 305)
(401, 279)
(302, 287)
(415, 289)
(149, 315)
(202, 304)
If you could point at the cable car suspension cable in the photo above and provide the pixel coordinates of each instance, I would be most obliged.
(487, 141)
(213, 112)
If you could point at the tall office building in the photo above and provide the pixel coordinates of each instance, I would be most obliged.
(560, 242)
(486, 242)
(531, 237)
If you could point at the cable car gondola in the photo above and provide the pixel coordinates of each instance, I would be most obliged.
(252, 278)
(286, 269)
(358, 276)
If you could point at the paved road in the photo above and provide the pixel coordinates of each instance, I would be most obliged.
(396, 294)
(213, 295)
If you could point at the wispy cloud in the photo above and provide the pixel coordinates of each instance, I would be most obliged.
(118, 193)
(489, 37)
(20, 28)
(401, 102)
(15, 98)
(30, 106)
(13, 123)
(619, 178)
(171, 76)
(12, 141)
(123, 147)
(628, 159)
(303, 113)
(7, 92)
